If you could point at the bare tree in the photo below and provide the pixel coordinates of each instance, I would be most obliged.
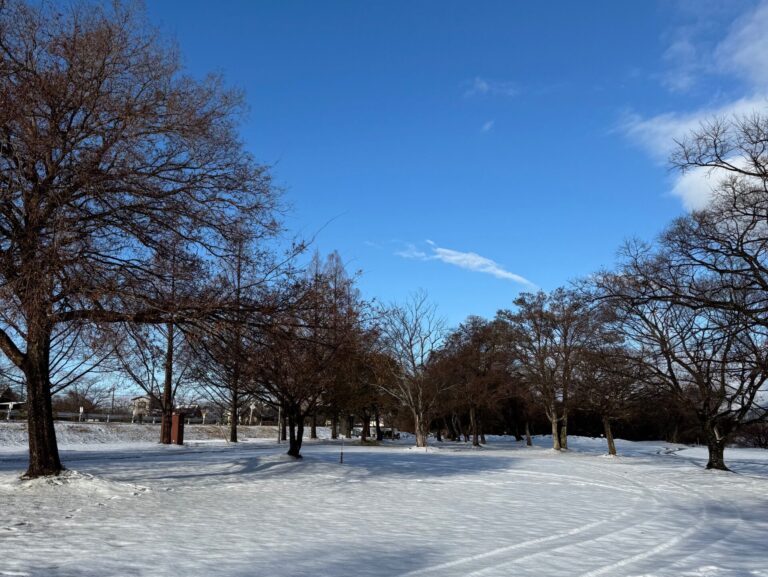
(142, 356)
(306, 350)
(220, 345)
(87, 394)
(696, 302)
(411, 333)
(157, 357)
(548, 333)
(728, 239)
(713, 360)
(475, 362)
(611, 381)
(106, 149)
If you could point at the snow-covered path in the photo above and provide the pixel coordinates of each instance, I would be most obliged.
(246, 510)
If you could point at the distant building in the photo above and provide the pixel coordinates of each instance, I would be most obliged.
(10, 402)
(189, 411)
(144, 406)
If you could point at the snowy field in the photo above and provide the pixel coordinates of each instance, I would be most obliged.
(135, 508)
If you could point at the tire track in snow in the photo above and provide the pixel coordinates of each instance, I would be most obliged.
(643, 491)
(502, 550)
(650, 517)
(706, 499)
(644, 555)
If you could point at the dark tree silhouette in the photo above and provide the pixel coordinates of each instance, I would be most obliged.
(106, 149)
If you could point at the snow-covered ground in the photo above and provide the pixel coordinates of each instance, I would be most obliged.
(135, 508)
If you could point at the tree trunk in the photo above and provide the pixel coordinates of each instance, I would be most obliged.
(716, 448)
(674, 435)
(609, 436)
(350, 426)
(296, 428)
(450, 428)
(233, 409)
(167, 403)
(366, 430)
(335, 426)
(235, 382)
(379, 432)
(313, 427)
(564, 431)
(528, 440)
(422, 430)
(518, 436)
(555, 435)
(43, 449)
(473, 426)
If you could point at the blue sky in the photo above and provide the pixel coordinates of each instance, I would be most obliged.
(477, 149)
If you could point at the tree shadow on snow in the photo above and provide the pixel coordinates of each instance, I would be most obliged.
(382, 557)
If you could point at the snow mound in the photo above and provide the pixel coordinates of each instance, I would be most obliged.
(74, 482)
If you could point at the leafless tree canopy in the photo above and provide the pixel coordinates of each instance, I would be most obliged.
(412, 333)
(106, 150)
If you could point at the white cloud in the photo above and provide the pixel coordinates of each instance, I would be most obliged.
(682, 58)
(694, 188)
(485, 86)
(657, 134)
(410, 251)
(466, 260)
(488, 126)
(742, 53)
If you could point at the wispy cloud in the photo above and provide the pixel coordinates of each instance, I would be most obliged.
(488, 126)
(466, 260)
(743, 54)
(744, 51)
(657, 134)
(683, 65)
(480, 86)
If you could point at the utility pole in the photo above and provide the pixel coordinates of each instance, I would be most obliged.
(112, 405)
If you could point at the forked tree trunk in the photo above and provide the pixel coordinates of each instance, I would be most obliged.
(456, 426)
(43, 449)
(609, 436)
(716, 448)
(452, 435)
(421, 428)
